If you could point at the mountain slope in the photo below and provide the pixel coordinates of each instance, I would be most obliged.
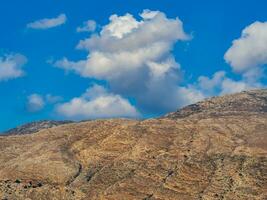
(34, 127)
(254, 101)
(215, 149)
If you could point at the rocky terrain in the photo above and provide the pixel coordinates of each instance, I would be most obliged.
(34, 127)
(215, 149)
(254, 101)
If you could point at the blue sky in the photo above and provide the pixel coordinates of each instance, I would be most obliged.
(44, 87)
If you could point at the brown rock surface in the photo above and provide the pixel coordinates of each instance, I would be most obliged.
(217, 151)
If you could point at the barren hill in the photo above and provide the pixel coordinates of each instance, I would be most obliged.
(215, 149)
(34, 127)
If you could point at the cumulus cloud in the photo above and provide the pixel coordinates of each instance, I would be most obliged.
(35, 103)
(52, 99)
(248, 57)
(88, 26)
(96, 102)
(209, 85)
(48, 23)
(219, 83)
(189, 95)
(135, 58)
(230, 86)
(11, 66)
(248, 54)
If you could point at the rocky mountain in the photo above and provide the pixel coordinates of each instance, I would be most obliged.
(215, 149)
(34, 127)
(254, 101)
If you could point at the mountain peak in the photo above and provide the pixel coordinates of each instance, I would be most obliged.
(253, 101)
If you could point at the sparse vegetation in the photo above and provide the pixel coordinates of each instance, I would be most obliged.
(215, 150)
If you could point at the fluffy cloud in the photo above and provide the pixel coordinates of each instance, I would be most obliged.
(135, 57)
(220, 83)
(209, 85)
(51, 99)
(229, 86)
(247, 57)
(88, 26)
(48, 23)
(189, 95)
(96, 102)
(248, 53)
(11, 66)
(35, 103)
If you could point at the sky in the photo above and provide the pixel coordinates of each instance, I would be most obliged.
(77, 60)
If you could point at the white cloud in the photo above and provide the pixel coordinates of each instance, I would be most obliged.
(53, 99)
(88, 26)
(148, 14)
(67, 65)
(35, 103)
(230, 86)
(135, 57)
(125, 33)
(211, 86)
(119, 26)
(189, 95)
(249, 52)
(11, 66)
(97, 103)
(48, 23)
(247, 57)
(221, 84)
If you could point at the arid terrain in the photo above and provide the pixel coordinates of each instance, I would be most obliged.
(215, 149)
(34, 127)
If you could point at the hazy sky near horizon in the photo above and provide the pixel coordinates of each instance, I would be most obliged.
(102, 59)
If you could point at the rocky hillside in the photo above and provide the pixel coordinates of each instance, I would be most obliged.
(254, 101)
(34, 127)
(216, 149)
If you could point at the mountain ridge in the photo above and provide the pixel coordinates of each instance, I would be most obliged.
(186, 111)
(218, 151)
(248, 101)
(34, 127)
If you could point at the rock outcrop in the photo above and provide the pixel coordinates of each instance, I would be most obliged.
(216, 149)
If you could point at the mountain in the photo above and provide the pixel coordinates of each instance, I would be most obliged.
(215, 149)
(34, 127)
(254, 101)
